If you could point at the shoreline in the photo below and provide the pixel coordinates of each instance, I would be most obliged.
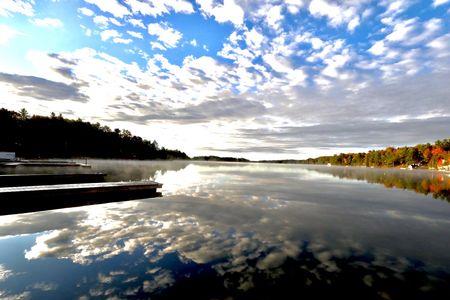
(84, 159)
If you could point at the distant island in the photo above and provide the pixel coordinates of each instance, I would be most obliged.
(58, 137)
(218, 158)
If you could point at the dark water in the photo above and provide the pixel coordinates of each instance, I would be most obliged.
(239, 231)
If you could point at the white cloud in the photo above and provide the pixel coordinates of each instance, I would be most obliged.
(440, 48)
(86, 11)
(234, 37)
(193, 43)
(87, 31)
(165, 34)
(137, 23)
(378, 48)
(156, 7)
(291, 76)
(335, 13)
(436, 3)
(45, 286)
(9, 7)
(241, 57)
(119, 40)
(101, 21)
(115, 22)
(293, 6)
(440, 43)
(5, 273)
(156, 45)
(110, 33)
(135, 34)
(179, 6)
(367, 13)
(353, 24)
(47, 22)
(406, 32)
(327, 49)
(7, 33)
(395, 7)
(111, 6)
(278, 64)
(430, 28)
(334, 63)
(274, 16)
(316, 43)
(253, 39)
(401, 30)
(296, 77)
(229, 11)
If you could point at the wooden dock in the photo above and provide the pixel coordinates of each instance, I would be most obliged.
(43, 197)
(11, 180)
(43, 164)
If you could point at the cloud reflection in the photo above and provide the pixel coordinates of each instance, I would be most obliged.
(244, 226)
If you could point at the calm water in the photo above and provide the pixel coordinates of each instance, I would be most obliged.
(239, 231)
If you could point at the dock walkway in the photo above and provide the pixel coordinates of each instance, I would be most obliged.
(11, 180)
(42, 164)
(21, 199)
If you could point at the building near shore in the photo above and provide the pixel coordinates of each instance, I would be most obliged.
(443, 165)
(7, 156)
(413, 166)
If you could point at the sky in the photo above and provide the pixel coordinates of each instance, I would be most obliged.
(255, 79)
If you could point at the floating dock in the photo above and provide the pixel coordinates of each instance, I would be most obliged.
(43, 197)
(43, 164)
(11, 180)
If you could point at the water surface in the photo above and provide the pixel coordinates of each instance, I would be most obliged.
(239, 231)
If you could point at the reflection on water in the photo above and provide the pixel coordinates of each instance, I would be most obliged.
(421, 181)
(241, 231)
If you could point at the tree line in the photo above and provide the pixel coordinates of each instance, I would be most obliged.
(55, 136)
(218, 158)
(424, 155)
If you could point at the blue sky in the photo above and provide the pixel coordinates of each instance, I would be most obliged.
(258, 79)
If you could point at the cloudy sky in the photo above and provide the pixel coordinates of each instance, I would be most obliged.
(260, 79)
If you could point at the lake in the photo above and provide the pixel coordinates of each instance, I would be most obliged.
(239, 231)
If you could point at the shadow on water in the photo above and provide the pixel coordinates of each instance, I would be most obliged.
(305, 276)
(24, 204)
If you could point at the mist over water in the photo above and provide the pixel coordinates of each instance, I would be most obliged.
(241, 231)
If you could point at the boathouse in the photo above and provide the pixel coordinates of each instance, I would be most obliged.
(7, 156)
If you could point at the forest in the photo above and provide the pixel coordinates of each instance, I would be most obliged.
(218, 158)
(57, 137)
(428, 155)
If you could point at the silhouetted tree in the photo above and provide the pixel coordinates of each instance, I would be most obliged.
(43, 137)
(23, 114)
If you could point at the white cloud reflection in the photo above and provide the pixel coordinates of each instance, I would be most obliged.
(229, 214)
